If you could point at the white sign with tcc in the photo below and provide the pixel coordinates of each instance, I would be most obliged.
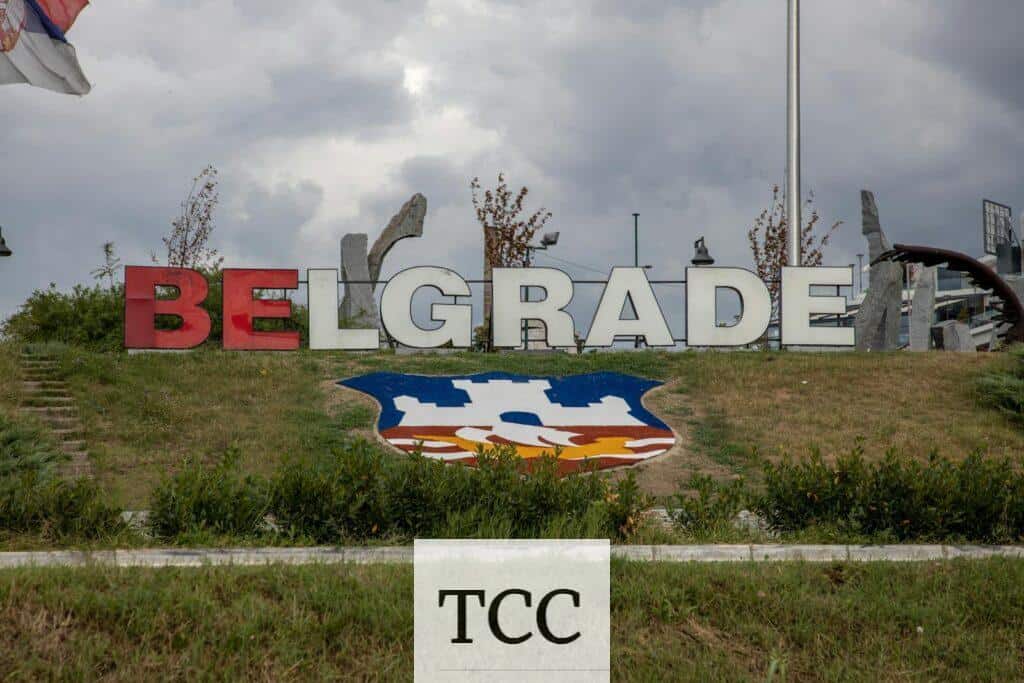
(512, 611)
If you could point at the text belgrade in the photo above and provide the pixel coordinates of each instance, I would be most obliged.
(241, 308)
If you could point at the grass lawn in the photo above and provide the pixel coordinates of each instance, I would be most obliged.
(937, 621)
(143, 414)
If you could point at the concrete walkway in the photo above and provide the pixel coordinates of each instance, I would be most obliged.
(404, 555)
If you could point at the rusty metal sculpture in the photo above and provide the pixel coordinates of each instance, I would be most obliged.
(1010, 318)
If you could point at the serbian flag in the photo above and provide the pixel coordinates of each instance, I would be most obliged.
(33, 46)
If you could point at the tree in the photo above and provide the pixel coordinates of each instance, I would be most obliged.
(187, 243)
(507, 232)
(110, 266)
(768, 242)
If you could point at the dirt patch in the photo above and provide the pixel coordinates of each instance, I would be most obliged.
(339, 397)
(661, 476)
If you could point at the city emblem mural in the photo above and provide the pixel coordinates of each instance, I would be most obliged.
(595, 420)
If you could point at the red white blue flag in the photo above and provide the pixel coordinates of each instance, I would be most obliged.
(34, 48)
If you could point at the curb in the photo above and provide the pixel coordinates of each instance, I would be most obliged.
(247, 557)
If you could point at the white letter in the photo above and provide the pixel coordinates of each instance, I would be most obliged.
(323, 317)
(702, 285)
(798, 305)
(632, 284)
(396, 309)
(510, 310)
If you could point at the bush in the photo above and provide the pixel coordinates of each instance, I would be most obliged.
(35, 503)
(360, 493)
(24, 450)
(1004, 389)
(898, 498)
(708, 504)
(218, 500)
(34, 500)
(331, 497)
(87, 316)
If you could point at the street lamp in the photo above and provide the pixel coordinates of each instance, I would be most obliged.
(549, 239)
(636, 240)
(4, 249)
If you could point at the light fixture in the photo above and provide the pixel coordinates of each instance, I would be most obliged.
(701, 256)
(549, 239)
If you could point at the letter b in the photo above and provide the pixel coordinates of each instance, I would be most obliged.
(141, 308)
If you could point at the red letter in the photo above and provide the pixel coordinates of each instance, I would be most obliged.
(241, 309)
(141, 308)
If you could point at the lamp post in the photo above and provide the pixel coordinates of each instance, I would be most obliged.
(793, 134)
(636, 240)
(549, 239)
(4, 249)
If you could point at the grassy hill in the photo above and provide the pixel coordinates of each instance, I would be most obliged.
(144, 414)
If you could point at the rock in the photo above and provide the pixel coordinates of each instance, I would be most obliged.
(953, 335)
(878, 321)
(751, 522)
(408, 222)
(871, 228)
(923, 310)
(358, 306)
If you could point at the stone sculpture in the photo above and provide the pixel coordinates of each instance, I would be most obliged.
(878, 321)
(923, 310)
(953, 335)
(362, 268)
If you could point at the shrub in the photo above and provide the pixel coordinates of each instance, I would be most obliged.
(1004, 389)
(359, 492)
(87, 316)
(708, 503)
(35, 503)
(218, 499)
(897, 498)
(34, 500)
(331, 497)
(23, 449)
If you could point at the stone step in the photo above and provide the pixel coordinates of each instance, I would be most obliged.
(35, 389)
(67, 431)
(72, 444)
(47, 410)
(56, 383)
(39, 400)
(44, 393)
(39, 377)
(64, 422)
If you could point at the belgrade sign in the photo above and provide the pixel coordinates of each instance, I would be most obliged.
(510, 309)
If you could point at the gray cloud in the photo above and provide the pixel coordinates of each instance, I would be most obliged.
(324, 118)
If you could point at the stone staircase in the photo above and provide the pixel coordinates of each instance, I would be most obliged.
(46, 396)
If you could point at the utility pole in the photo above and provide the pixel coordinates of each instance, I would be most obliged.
(793, 205)
(636, 264)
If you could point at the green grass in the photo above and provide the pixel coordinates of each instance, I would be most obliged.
(145, 414)
(934, 621)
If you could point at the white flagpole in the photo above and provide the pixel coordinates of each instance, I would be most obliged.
(793, 200)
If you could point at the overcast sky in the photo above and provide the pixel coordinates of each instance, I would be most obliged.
(325, 116)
